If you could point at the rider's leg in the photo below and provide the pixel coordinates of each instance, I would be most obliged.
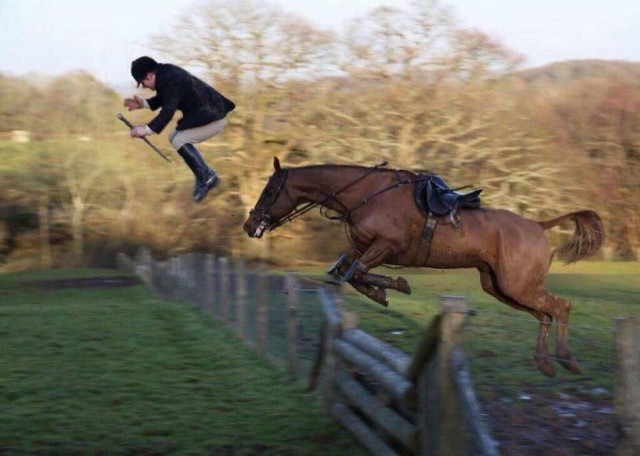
(183, 142)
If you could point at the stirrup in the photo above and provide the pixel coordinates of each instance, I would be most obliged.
(337, 264)
(338, 278)
(333, 270)
(352, 269)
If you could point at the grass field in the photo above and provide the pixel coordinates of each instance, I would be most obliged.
(117, 371)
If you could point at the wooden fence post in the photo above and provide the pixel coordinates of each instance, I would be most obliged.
(174, 278)
(627, 394)
(191, 278)
(44, 228)
(159, 274)
(440, 417)
(142, 263)
(484, 445)
(202, 280)
(210, 283)
(182, 276)
(262, 312)
(241, 300)
(292, 324)
(331, 329)
(225, 294)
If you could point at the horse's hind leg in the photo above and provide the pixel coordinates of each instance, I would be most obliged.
(558, 308)
(489, 285)
(562, 307)
(544, 306)
(544, 328)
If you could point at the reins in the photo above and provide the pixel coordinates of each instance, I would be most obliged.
(371, 197)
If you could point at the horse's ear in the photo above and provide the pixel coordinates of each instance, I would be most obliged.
(276, 163)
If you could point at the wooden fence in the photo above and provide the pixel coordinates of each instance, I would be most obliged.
(395, 404)
(392, 403)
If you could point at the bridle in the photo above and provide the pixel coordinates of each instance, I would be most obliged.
(264, 219)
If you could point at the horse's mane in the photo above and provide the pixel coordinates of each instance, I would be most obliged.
(363, 168)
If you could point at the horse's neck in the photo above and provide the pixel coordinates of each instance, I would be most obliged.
(333, 186)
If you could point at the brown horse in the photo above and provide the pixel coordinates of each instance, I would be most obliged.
(385, 226)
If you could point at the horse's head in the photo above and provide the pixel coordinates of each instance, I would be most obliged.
(273, 205)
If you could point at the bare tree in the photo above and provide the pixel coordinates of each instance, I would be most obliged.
(253, 49)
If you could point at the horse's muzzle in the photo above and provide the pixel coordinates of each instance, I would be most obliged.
(255, 226)
(258, 231)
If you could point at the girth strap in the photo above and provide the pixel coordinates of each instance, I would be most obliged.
(423, 251)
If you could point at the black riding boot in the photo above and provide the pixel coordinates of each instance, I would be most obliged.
(206, 178)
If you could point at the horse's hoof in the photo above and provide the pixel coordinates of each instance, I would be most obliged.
(570, 364)
(546, 367)
(380, 296)
(403, 286)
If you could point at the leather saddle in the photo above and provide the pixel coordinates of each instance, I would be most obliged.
(434, 196)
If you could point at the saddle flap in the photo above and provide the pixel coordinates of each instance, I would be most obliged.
(439, 201)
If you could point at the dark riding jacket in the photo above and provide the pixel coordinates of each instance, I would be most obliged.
(177, 89)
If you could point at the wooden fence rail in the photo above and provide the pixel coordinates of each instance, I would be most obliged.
(396, 405)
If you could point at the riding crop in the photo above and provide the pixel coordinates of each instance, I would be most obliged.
(130, 125)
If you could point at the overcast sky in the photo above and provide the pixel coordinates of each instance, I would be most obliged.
(55, 36)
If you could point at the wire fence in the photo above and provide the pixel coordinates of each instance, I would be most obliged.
(261, 308)
(530, 414)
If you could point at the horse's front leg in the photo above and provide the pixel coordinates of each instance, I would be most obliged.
(344, 270)
(383, 281)
(375, 294)
(374, 256)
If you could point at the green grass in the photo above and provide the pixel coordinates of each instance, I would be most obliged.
(118, 371)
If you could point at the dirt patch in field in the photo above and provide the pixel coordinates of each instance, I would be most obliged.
(555, 425)
(87, 282)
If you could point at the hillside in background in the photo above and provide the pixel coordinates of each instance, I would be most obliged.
(575, 71)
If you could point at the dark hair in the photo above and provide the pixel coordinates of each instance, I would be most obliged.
(141, 66)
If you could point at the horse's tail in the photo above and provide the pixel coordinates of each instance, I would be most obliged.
(587, 237)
